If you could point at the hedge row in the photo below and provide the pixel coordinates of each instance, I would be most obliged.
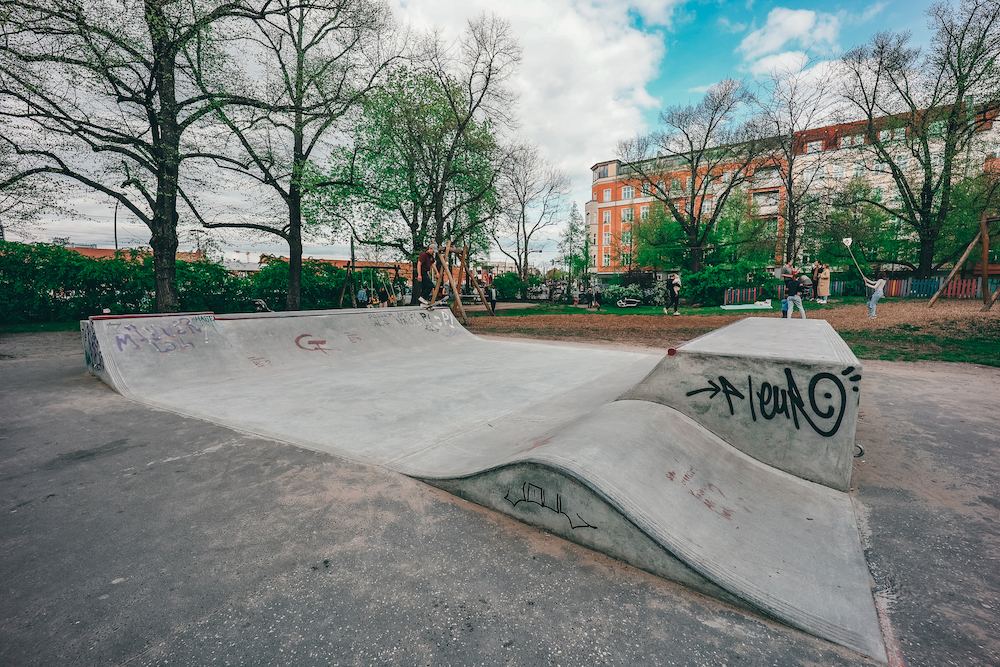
(50, 283)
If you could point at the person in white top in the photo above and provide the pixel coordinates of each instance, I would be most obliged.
(878, 286)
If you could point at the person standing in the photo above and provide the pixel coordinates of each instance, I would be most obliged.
(817, 269)
(426, 271)
(878, 286)
(794, 294)
(362, 298)
(823, 284)
(674, 287)
(491, 294)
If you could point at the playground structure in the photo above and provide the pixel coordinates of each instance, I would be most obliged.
(723, 466)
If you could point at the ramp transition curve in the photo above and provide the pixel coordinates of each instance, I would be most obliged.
(721, 466)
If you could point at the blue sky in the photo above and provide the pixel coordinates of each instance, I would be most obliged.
(597, 71)
(706, 42)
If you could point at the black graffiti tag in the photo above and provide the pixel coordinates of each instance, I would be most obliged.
(826, 396)
(531, 493)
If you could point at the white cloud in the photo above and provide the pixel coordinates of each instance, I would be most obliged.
(789, 62)
(583, 76)
(700, 89)
(729, 26)
(802, 27)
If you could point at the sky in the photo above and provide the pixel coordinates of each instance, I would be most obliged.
(597, 71)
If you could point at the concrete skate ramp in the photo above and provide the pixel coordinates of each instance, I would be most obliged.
(531, 430)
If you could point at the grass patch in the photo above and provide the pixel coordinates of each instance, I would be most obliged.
(35, 327)
(968, 341)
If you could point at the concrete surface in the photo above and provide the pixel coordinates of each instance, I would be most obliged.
(786, 395)
(133, 535)
(414, 391)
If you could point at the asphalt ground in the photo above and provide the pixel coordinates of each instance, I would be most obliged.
(135, 536)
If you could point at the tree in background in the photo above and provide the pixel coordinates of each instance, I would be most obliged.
(129, 121)
(920, 113)
(532, 198)
(714, 146)
(791, 101)
(425, 157)
(574, 244)
(318, 61)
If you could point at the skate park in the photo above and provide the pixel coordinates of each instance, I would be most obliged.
(445, 426)
(519, 428)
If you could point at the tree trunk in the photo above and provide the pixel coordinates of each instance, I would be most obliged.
(294, 299)
(985, 232)
(164, 244)
(926, 263)
(164, 222)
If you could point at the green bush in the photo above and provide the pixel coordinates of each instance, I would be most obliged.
(508, 286)
(708, 286)
(613, 293)
(41, 282)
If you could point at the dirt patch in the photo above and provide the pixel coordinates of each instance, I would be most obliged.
(902, 323)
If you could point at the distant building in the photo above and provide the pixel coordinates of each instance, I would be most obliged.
(830, 157)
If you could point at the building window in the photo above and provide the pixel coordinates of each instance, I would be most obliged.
(675, 185)
(838, 171)
(762, 174)
(626, 259)
(881, 167)
(627, 237)
(607, 238)
(601, 172)
(607, 216)
(645, 188)
(938, 128)
(627, 214)
(853, 140)
(607, 195)
(814, 146)
(706, 207)
(814, 173)
(859, 170)
(644, 213)
(606, 260)
(628, 192)
(765, 199)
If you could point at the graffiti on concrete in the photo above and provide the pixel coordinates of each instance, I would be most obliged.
(162, 338)
(707, 494)
(530, 493)
(259, 362)
(822, 407)
(92, 348)
(309, 344)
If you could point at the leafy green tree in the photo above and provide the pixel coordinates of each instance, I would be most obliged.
(710, 150)
(574, 244)
(425, 159)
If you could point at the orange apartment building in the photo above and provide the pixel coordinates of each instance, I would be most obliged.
(830, 157)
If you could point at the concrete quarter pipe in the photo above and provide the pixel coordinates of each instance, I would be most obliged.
(722, 466)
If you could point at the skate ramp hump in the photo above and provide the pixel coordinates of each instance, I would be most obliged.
(531, 430)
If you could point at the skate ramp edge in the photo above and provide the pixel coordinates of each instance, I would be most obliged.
(535, 432)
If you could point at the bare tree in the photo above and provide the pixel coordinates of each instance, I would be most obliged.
(922, 112)
(533, 198)
(704, 153)
(319, 59)
(104, 93)
(791, 102)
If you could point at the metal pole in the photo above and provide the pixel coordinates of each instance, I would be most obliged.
(116, 226)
